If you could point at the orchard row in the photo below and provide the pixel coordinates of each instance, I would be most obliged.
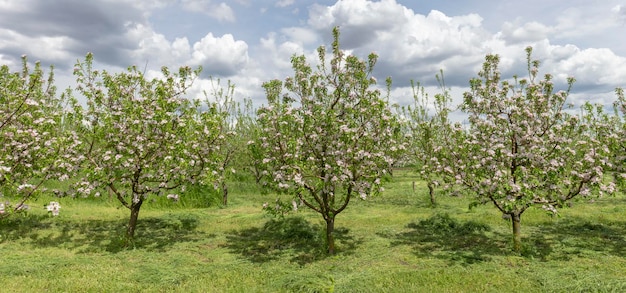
(327, 136)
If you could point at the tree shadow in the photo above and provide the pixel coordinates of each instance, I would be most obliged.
(575, 236)
(446, 238)
(290, 236)
(470, 242)
(89, 236)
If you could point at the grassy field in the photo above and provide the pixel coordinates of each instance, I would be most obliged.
(392, 243)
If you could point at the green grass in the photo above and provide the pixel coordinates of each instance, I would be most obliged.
(391, 243)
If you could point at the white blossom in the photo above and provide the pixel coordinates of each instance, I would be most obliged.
(53, 207)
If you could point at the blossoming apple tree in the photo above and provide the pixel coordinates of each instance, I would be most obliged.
(618, 144)
(142, 137)
(522, 147)
(234, 129)
(35, 143)
(428, 130)
(330, 138)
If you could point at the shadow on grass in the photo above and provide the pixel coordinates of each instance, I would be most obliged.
(443, 237)
(152, 234)
(446, 238)
(575, 236)
(289, 236)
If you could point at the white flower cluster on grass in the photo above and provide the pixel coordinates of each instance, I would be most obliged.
(53, 207)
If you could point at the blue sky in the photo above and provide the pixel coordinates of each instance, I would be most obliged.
(249, 42)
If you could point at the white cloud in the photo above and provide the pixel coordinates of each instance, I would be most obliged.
(514, 33)
(152, 47)
(148, 5)
(180, 48)
(301, 35)
(416, 46)
(277, 55)
(595, 67)
(410, 45)
(284, 3)
(571, 38)
(359, 13)
(8, 62)
(620, 12)
(587, 21)
(220, 55)
(12, 6)
(56, 47)
(617, 9)
(435, 36)
(221, 11)
(359, 20)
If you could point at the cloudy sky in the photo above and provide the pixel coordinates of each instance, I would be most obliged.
(251, 41)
